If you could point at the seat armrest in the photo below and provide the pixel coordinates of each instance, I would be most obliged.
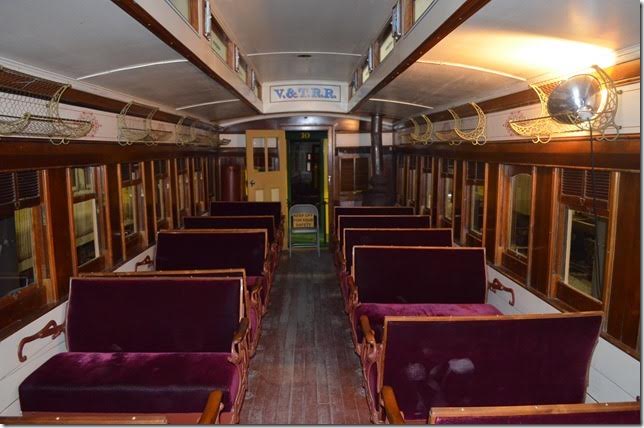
(352, 292)
(147, 261)
(367, 331)
(241, 332)
(394, 415)
(214, 405)
(52, 328)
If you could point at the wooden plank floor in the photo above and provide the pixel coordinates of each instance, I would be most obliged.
(305, 370)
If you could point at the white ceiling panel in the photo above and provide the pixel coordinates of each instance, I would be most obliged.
(218, 112)
(76, 37)
(341, 26)
(317, 67)
(175, 85)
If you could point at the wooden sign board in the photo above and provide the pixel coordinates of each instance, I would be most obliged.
(303, 221)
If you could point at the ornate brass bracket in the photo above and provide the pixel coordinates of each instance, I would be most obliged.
(52, 328)
(496, 285)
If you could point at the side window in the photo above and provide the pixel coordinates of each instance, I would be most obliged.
(583, 233)
(163, 199)
(447, 191)
(517, 219)
(188, 9)
(89, 213)
(412, 181)
(475, 197)
(24, 267)
(199, 186)
(133, 207)
(426, 185)
(183, 189)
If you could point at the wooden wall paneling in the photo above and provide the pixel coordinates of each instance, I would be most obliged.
(174, 191)
(457, 216)
(61, 259)
(542, 229)
(72, 226)
(116, 235)
(149, 189)
(31, 153)
(435, 175)
(191, 163)
(622, 154)
(624, 303)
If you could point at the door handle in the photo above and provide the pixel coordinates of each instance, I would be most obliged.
(252, 182)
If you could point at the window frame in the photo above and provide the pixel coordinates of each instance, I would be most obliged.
(426, 187)
(472, 237)
(135, 242)
(193, 10)
(162, 177)
(443, 174)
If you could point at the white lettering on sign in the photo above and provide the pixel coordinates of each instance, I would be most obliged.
(290, 93)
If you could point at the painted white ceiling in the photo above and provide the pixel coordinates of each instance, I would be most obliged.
(76, 38)
(526, 39)
(340, 26)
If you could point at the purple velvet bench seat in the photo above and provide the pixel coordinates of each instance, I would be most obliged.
(375, 210)
(146, 345)
(250, 208)
(414, 275)
(266, 222)
(504, 360)
(218, 249)
(386, 237)
(374, 221)
(252, 299)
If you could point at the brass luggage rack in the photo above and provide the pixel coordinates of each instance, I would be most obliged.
(456, 134)
(135, 126)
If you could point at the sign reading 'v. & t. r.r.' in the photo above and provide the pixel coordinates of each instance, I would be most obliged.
(290, 93)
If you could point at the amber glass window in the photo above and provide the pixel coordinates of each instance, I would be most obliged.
(24, 273)
(199, 186)
(447, 180)
(475, 194)
(583, 233)
(426, 185)
(88, 210)
(163, 200)
(133, 204)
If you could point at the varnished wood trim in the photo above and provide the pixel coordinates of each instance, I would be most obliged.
(140, 14)
(465, 11)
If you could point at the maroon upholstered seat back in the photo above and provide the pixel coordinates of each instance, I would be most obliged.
(488, 361)
(212, 249)
(153, 314)
(395, 237)
(222, 208)
(582, 414)
(419, 274)
(233, 222)
(380, 221)
(338, 211)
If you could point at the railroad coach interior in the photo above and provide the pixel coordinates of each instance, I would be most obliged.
(470, 168)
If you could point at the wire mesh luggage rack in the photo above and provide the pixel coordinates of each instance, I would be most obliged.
(30, 106)
(195, 132)
(456, 134)
(541, 128)
(135, 126)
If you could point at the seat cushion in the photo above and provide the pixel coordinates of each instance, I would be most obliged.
(129, 382)
(376, 313)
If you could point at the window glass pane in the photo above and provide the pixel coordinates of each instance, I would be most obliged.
(420, 6)
(87, 248)
(17, 262)
(365, 73)
(273, 154)
(584, 252)
(241, 71)
(132, 210)
(520, 205)
(160, 200)
(449, 197)
(83, 181)
(427, 177)
(386, 46)
(476, 208)
(259, 160)
(219, 45)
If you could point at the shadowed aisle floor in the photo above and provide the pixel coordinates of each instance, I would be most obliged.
(305, 370)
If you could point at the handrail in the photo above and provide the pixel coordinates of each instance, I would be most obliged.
(52, 328)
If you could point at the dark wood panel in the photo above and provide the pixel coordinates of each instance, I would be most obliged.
(25, 153)
(623, 154)
(492, 189)
(540, 265)
(624, 302)
(112, 173)
(575, 299)
(61, 241)
(150, 200)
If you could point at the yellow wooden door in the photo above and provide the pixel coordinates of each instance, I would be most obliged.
(266, 178)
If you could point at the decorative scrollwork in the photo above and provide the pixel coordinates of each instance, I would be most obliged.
(456, 135)
(135, 126)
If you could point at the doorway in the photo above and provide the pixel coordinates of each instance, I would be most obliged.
(307, 169)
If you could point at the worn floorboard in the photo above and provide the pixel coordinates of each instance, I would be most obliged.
(305, 370)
